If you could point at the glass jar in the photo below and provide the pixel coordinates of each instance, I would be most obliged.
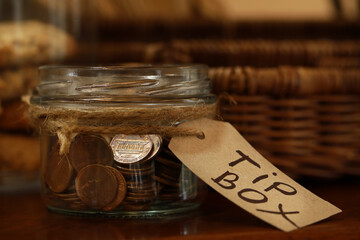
(104, 171)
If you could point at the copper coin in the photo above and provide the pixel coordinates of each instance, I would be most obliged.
(121, 191)
(141, 194)
(157, 142)
(148, 170)
(168, 197)
(169, 171)
(66, 196)
(150, 192)
(139, 180)
(71, 199)
(58, 171)
(131, 148)
(139, 172)
(141, 187)
(96, 185)
(166, 182)
(142, 165)
(137, 207)
(135, 166)
(107, 138)
(137, 199)
(168, 177)
(148, 188)
(89, 149)
(133, 185)
(71, 188)
(168, 162)
(76, 205)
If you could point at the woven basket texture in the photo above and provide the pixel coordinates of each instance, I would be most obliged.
(265, 53)
(304, 120)
(215, 52)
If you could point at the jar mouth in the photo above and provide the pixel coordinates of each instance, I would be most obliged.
(133, 83)
(121, 68)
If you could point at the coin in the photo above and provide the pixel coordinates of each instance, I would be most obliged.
(65, 195)
(147, 183)
(121, 190)
(165, 181)
(107, 138)
(170, 171)
(168, 162)
(135, 166)
(169, 193)
(71, 188)
(137, 206)
(140, 170)
(142, 187)
(139, 173)
(58, 171)
(169, 197)
(96, 185)
(157, 142)
(141, 194)
(168, 177)
(89, 149)
(77, 206)
(149, 191)
(131, 148)
(139, 199)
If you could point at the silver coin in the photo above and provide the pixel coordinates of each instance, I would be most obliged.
(131, 148)
(157, 141)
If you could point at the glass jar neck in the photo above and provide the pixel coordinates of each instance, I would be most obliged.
(144, 85)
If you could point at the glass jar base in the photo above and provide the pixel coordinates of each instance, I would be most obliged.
(159, 211)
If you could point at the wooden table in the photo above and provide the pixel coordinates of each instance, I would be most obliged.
(23, 216)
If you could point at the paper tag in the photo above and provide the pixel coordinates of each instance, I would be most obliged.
(230, 165)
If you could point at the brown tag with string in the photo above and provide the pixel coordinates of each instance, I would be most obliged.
(230, 165)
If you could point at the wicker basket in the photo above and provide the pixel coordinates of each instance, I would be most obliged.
(262, 53)
(339, 62)
(256, 53)
(306, 121)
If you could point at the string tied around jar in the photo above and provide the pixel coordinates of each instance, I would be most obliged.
(67, 123)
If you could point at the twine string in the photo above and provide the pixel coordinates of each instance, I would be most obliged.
(67, 123)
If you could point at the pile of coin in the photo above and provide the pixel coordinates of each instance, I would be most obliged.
(104, 173)
(168, 169)
(85, 177)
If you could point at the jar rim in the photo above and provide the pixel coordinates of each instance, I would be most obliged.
(165, 83)
(121, 67)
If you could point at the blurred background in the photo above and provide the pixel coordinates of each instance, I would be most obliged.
(286, 71)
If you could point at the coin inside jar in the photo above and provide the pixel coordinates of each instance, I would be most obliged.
(157, 142)
(131, 148)
(58, 172)
(139, 170)
(121, 190)
(96, 185)
(89, 149)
